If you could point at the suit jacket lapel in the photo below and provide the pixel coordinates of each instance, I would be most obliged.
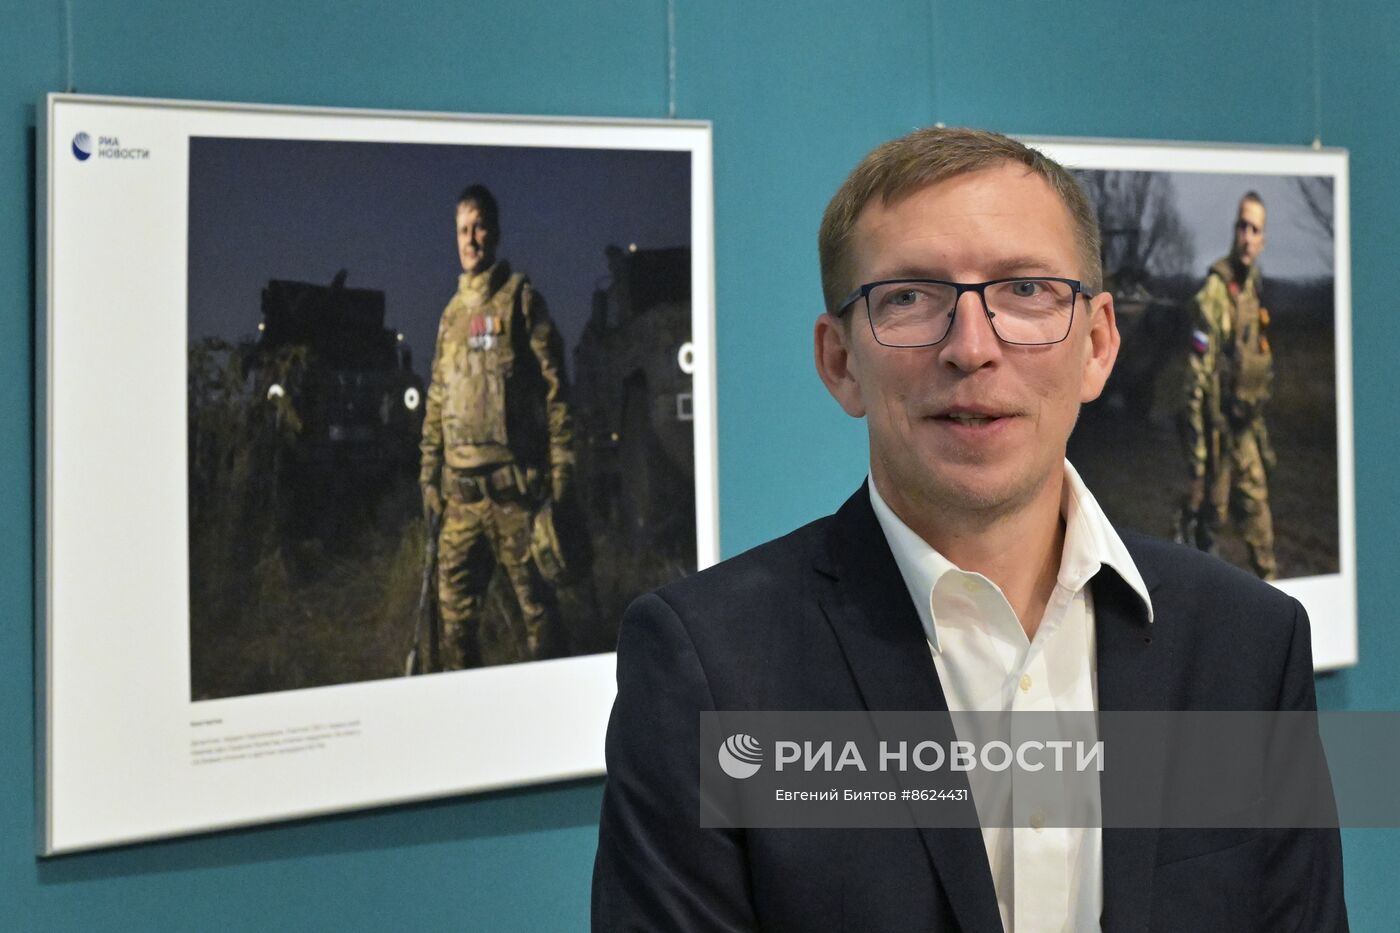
(1132, 665)
(884, 644)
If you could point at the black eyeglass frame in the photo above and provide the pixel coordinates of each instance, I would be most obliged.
(863, 293)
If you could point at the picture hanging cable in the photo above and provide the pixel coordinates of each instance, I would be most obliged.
(671, 59)
(935, 86)
(1317, 77)
(68, 45)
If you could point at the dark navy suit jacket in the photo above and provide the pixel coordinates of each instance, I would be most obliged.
(821, 620)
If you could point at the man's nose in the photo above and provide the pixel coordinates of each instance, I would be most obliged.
(971, 342)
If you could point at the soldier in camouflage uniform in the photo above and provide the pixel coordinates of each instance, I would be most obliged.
(1229, 378)
(497, 436)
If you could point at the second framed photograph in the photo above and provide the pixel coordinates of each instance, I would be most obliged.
(378, 424)
(1227, 422)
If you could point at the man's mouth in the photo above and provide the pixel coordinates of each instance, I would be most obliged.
(971, 418)
(970, 415)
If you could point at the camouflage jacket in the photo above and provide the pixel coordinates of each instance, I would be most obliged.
(1230, 370)
(497, 394)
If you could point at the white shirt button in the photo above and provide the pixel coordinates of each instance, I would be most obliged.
(1025, 683)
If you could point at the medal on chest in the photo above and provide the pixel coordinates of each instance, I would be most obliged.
(483, 331)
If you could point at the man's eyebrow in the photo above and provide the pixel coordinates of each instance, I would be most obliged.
(1001, 268)
(1025, 265)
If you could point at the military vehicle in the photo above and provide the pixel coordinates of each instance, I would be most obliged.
(357, 397)
(633, 400)
(1154, 338)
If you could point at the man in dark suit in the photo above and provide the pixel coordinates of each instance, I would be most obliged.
(973, 571)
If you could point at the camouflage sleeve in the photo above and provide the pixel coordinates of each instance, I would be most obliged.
(1200, 372)
(548, 348)
(431, 445)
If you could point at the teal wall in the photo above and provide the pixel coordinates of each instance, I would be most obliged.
(797, 92)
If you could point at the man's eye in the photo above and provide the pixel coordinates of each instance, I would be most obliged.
(1026, 289)
(906, 297)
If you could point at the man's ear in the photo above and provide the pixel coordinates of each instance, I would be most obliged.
(836, 364)
(1103, 346)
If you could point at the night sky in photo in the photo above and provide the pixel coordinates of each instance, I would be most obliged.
(265, 209)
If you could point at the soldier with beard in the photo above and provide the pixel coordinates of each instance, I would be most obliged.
(1229, 379)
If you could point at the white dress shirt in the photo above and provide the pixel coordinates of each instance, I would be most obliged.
(1047, 879)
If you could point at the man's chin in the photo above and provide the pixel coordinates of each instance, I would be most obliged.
(955, 492)
(981, 498)
(983, 490)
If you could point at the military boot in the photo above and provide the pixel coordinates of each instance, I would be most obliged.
(1208, 532)
(1184, 531)
(544, 637)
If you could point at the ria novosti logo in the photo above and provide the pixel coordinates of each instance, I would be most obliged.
(106, 147)
(740, 756)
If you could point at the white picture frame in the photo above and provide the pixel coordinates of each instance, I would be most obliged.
(1205, 183)
(128, 752)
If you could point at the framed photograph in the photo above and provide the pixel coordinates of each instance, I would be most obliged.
(1227, 422)
(359, 430)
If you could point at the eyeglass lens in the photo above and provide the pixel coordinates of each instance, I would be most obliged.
(914, 314)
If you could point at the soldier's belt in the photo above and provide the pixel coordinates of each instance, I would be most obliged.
(499, 485)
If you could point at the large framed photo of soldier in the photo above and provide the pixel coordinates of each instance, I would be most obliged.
(1227, 422)
(359, 430)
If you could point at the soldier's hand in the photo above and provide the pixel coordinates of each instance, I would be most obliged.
(432, 502)
(560, 483)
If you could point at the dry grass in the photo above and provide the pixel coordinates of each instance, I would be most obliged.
(282, 603)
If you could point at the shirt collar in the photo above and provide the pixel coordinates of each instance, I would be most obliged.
(1091, 543)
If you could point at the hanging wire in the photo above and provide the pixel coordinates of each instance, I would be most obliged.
(935, 85)
(68, 44)
(671, 59)
(1317, 77)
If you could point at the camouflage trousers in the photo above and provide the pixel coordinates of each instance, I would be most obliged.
(475, 537)
(1238, 482)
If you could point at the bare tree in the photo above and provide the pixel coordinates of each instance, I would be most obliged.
(1316, 191)
(1143, 234)
(1144, 239)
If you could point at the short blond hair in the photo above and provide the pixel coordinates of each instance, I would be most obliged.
(925, 157)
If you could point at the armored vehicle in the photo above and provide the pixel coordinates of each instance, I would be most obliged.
(633, 396)
(358, 397)
(358, 400)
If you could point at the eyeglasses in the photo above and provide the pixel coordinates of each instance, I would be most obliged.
(920, 312)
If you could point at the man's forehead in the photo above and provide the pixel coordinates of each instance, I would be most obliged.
(467, 210)
(1003, 187)
(1252, 211)
(1002, 191)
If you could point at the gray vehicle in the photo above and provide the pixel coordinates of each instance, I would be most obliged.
(632, 395)
(1155, 335)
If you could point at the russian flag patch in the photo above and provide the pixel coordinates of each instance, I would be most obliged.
(1200, 341)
